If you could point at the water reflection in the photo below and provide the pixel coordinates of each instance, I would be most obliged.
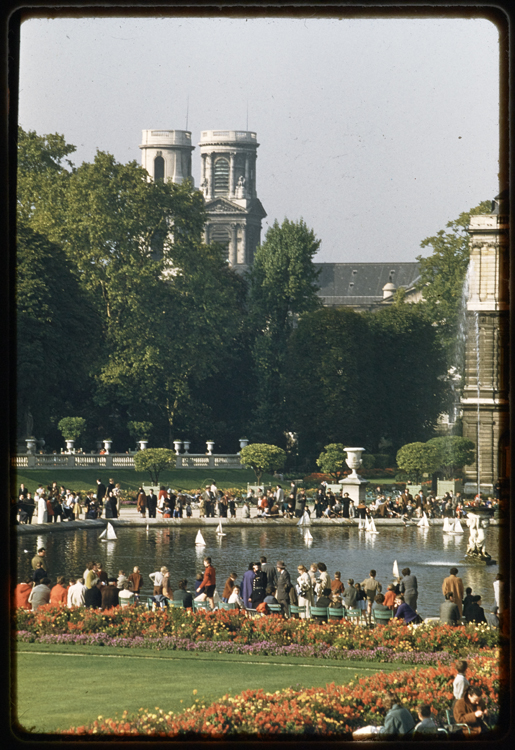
(429, 553)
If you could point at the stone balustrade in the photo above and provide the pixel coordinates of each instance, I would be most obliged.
(119, 461)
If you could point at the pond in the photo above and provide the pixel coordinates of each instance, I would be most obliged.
(428, 553)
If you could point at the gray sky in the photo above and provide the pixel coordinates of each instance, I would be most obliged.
(376, 132)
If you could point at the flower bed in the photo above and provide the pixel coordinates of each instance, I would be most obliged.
(335, 710)
(234, 627)
(264, 648)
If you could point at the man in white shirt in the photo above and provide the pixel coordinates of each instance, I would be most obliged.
(76, 593)
(125, 596)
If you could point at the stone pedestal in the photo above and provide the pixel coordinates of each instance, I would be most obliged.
(356, 487)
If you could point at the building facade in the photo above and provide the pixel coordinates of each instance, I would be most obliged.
(484, 403)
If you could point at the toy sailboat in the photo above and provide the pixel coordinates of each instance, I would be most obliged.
(457, 527)
(219, 530)
(199, 539)
(448, 527)
(395, 569)
(423, 523)
(305, 520)
(372, 527)
(108, 534)
(362, 524)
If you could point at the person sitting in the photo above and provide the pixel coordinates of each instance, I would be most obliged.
(22, 593)
(425, 724)
(405, 612)
(229, 585)
(270, 595)
(235, 598)
(59, 593)
(181, 594)
(40, 594)
(449, 612)
(336, 602)
(398, 721)
(474, 612)
(39, 573)
(470, 710)
(125, 596)
(323, 601)
(378, 604)
(468, 599)
(110, 594)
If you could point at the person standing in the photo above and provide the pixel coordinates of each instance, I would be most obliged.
(101, 491)
(305, 591)
(246, 585)
(454, 585)
(141, 502)
(42, 509)
(39, 557)
(76, 592)
(460, 683)
(229, 585)
(371, 587)
(258, 585)
(208, 584)
(283, 586)
(93, 596)
(152, 504)
(270, 572)
(111, 506)
(409, 587)
(136, 580)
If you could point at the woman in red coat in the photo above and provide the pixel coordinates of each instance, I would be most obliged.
(208, 585)
(59, 592)
(22, 593)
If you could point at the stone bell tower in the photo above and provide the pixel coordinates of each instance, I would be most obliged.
(228, 183)
(484, 403)
(166, 154)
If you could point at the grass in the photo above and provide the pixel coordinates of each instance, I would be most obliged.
(81, 683)
(129, 479)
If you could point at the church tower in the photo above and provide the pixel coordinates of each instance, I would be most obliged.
(228, 183)
(166, 154)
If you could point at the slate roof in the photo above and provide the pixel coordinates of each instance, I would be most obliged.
(361, 284)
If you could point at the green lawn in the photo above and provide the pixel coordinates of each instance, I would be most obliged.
(129, 479)
(61, 686)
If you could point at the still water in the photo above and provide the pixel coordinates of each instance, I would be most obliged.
(428, 553)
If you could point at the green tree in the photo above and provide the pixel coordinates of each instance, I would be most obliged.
(417, 459)
(443, 272)
(454, 453)
(72, 427)
(283, 286)
(409, 368)
(56, 335)
(140, 430)
(332, 460)
(42, 180)
(155, 461)
(262, 458)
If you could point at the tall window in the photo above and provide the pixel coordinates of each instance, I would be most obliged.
(221, 180)
(159, 168)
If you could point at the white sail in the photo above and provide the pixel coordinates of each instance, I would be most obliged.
(307, 535)
(367, 523)
(361, 524)
(447, 525)
(102, 535)
(111, 532)
(423, 523)
(395, 569)
(306, 519)
(199, 539)
(219, 530)
(458, 528)
(372, 527)
(301, 521)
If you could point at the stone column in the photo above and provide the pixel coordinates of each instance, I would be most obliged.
(233, 247)
(231, 174)
(247, 175)
(210, 186)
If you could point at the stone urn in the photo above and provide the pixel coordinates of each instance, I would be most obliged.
(353, 460)
(98, 445)
(31, 445)
(142, 444)
(186, 444)
(210, 445)
(177, 446)
(107, 446)
(70, 446)
(243, 443)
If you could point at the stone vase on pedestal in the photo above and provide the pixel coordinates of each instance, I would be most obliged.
(243, 443)
(142, 444)
(31, 445)
(70, 446)
(107, 446)
(186, 444)
(210, 445)
(354, 484)
(177, 446)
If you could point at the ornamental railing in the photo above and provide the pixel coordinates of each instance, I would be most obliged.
(119, 460)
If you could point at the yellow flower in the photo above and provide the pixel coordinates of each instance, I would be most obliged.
(195, 691)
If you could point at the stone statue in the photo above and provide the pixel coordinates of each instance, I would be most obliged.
(240, 187)
(204, 185)
(476, 543)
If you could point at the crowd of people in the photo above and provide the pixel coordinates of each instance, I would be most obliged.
(261, 585)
